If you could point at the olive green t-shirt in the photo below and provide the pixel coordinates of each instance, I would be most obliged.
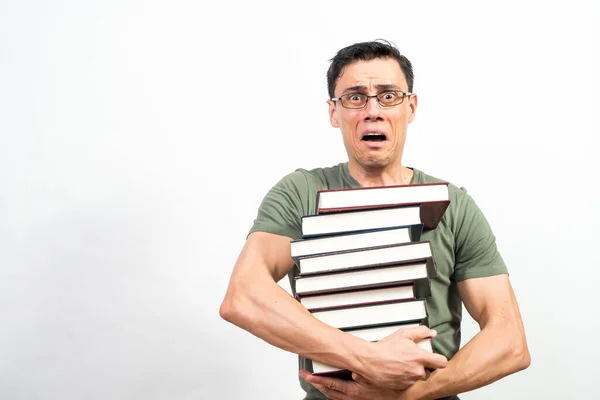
(463, 244)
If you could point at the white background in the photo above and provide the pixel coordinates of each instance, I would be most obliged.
(137, 140)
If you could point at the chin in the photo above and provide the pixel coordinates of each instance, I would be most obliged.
(374, 163)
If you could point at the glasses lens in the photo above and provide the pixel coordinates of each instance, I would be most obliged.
(388, 99)
(354, 100)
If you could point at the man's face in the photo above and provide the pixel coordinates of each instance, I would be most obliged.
(389, 124)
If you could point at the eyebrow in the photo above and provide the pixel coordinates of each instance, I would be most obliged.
(362, 88)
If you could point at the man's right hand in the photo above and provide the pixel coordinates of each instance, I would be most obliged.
(396, 362)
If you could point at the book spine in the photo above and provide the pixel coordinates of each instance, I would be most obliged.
(431, 268)
(432, 213)
(422, 287)
(415, 232)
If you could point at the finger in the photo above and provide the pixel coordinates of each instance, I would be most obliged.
(336, 384)
(417, 334)
(433, 360)
(427, 374)
(304, 374)
(359, 378)
(308, 377)
(329, 393)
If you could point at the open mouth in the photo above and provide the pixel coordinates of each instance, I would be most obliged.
(374, 137)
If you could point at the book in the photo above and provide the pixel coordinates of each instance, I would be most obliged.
(358, 297)
(328, 370)
(348, 241)
(371, 335)
(374, 314)
(364, 258)
(364, 279)
(359, 220)
(433, 199)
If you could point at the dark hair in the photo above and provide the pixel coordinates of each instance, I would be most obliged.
(367, 51)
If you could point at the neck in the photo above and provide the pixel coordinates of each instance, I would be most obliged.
(386, 176)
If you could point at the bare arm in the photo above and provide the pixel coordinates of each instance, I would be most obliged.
(498, 350)
(256, 303)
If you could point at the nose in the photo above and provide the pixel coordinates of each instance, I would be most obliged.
(372, 109)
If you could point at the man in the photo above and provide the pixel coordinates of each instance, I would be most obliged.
(371, 101)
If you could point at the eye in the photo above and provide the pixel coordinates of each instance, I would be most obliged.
(355, 97)
(389, 96)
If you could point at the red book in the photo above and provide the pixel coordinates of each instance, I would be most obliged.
(432, 197)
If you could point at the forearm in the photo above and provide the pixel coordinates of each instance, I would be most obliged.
(496, 351)
(264, 309)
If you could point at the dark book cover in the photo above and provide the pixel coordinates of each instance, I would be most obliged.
(414, 233)
(352, 210)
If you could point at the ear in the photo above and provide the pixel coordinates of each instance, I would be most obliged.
(332, 114)
(413, 107)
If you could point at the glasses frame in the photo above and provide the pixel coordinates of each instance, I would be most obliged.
(404, 94)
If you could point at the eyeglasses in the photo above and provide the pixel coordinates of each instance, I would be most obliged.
(357, 101)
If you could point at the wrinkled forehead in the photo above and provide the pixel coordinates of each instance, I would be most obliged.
(370, 76)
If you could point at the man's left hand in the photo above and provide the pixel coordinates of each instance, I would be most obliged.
(356, 389)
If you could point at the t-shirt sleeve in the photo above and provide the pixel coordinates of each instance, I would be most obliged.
(475, 244)
(283, 206)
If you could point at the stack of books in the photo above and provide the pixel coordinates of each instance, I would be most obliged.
(363, 267)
